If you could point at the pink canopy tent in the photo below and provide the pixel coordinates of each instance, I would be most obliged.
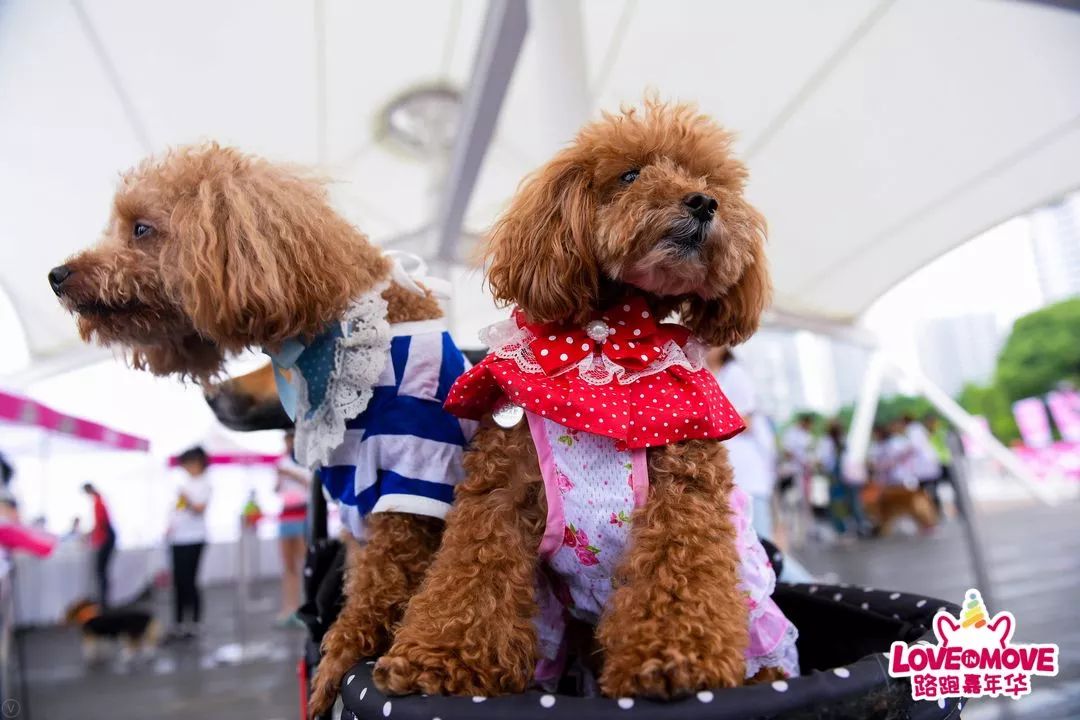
(24, 411)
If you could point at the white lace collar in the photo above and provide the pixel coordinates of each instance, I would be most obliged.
(359, 355)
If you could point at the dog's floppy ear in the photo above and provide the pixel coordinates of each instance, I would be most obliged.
(258, 255)
(540, 253)
(734, 315)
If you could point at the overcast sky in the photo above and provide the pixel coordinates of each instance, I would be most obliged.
(992, 273)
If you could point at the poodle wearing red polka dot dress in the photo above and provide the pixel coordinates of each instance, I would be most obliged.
(598, 490)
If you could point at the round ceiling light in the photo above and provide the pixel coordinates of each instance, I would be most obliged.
(423, 120)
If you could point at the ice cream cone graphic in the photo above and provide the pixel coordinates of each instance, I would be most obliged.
(975, 614)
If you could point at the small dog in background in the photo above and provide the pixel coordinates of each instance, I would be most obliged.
(135, 629)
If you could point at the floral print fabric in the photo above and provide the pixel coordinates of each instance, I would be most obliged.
(593, 484)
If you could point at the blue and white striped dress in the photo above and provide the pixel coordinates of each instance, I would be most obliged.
(403, 452)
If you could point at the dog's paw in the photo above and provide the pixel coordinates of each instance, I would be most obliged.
(766, 675)
(324, 691)
(404, 673)
(668, 678)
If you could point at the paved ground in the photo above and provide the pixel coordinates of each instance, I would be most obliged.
(1034, 554)
(196, 681)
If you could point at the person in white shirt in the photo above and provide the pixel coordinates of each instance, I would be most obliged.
(925, 461)
(751, 452)
(901, 494)
(799, 448)
(187, 538)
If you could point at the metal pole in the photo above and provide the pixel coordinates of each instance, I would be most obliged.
(862, 423)
(242, 589)
(500, 45)
(963, 420)
(316, 511)
(968, 521)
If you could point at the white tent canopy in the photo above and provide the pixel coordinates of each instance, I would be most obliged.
(878, 134)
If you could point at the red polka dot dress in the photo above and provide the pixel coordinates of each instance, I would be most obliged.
(622, 375)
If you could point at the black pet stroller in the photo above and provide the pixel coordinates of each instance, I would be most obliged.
(844, 633)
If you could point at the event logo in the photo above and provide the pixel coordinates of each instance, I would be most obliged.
(973, 657)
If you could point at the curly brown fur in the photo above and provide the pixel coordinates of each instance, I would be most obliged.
(576, 236)
(469, 630)
(380, 578)
(210, 251)
(678, 621)
(405, 306)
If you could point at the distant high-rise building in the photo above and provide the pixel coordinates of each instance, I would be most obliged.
(799, 370)
(1055, 236)
(772, 360)
(958, 350)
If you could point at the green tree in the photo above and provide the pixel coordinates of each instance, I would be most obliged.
(991, 402)
(1042, 350)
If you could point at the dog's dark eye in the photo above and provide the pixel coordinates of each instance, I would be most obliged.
(141, 230)
(629, 176)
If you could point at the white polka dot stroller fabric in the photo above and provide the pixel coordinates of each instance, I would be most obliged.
(841, 648)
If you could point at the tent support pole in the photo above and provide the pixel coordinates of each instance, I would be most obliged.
(966, 423)
(859, 439)
(505, 26)
(862, 423)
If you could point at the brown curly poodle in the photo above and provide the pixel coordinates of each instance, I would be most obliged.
(210, 251)
(614, 209)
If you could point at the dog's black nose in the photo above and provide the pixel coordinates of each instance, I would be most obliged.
(701, 206)
(57, 276)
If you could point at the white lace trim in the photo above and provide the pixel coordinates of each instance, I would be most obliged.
(359, 359)
(785, 656)
(510, 342)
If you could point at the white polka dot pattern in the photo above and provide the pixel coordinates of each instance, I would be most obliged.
(654, 410)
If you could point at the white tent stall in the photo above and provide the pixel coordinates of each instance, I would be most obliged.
(879, 134)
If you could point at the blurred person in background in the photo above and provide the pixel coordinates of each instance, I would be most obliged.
(102, 541)
(943, 439)
(293, 484)
(901, 495)
(845, 506)
(187, 538)
(924, 459)
(798, 461)
(751, 453)
(7, 471)
(74, 532)
(797, 445)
